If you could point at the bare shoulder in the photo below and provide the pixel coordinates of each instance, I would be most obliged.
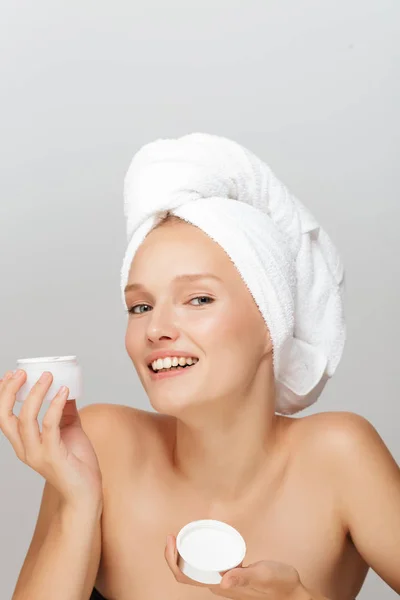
(345, 442)
(365, 479)
(338, 432)
(113, 428)
(116, 414)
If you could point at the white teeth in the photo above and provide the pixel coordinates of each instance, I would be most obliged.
(166, 363)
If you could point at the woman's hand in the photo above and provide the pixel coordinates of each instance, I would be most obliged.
(263, 580)
(62, 453)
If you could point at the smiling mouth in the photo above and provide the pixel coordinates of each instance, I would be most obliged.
(172, 368)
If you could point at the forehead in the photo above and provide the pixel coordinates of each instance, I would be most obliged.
(178, 248)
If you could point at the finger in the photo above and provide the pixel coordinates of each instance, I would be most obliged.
(234, 577)
(230, 587)
(7, 375)
(27, 420)
(8, 421)
(171, 556)
(258, 576)
(70, 414)
(234, 586)
(51, 434)
(253, 579)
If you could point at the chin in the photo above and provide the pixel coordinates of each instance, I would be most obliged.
(174, 407)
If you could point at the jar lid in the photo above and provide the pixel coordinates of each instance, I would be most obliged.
(45, 359)
(210, 545)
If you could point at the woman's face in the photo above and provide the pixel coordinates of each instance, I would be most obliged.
(215, 320)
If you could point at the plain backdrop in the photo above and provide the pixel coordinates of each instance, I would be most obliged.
(311, 86)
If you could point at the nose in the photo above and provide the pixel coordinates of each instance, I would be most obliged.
(161, 324)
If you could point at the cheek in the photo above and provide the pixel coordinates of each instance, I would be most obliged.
(131, 342)
(236, 333)
(217, 327)
(228, 343)
(222, 336)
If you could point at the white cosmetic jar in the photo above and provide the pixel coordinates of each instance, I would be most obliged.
(207, 548)
(65, 371)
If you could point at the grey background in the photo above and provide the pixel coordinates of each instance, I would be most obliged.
(312, 87)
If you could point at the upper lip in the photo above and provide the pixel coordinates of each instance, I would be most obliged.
(164, 353)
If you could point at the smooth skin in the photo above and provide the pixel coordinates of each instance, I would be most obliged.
(317, 499)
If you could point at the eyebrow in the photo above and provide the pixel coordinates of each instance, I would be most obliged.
(177, 279)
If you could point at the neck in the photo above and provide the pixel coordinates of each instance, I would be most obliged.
(225, 450)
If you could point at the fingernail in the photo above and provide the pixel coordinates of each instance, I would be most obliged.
(44, 377)
(17, 374)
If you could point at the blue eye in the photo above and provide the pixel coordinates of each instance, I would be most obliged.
(208, 298)
(132, 310)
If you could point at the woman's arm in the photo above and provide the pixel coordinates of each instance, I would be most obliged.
(64, 554)
(369, 488)
(65, 564)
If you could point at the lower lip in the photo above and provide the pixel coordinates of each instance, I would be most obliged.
(166, 374)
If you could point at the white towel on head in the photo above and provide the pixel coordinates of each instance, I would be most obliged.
(287, 261)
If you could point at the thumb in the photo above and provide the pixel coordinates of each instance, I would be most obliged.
(242, 576)
(235, 578)
(70, 414)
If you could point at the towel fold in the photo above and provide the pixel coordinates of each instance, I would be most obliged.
(287, 261)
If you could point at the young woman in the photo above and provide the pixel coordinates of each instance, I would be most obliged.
(316, 498)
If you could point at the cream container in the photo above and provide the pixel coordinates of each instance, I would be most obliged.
(207, 549)
(65, 371)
